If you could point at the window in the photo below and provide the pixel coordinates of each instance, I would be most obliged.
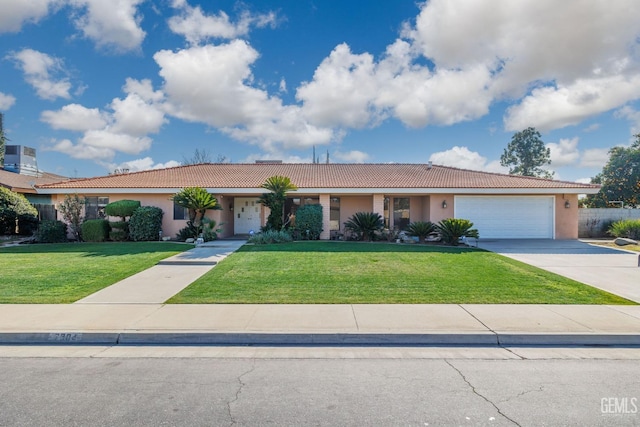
(180, 212)
(94, 207)
(401, 213)
(334, 214)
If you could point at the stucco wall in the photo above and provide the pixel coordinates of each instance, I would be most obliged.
(437, 212)
(352, 204)
(566, 218)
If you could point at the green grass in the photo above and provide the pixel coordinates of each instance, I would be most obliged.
(344, 272)
(63, 273)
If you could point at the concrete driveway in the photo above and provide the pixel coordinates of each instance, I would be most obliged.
(611, 270)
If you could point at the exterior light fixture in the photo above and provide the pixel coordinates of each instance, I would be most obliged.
(444, 204)
(567, 205)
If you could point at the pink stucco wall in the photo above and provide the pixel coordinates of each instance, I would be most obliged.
(566, 218)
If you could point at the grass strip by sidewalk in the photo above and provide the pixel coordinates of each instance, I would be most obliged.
(64, 273)
(379, 273)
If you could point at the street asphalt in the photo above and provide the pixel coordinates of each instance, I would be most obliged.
(133, 311)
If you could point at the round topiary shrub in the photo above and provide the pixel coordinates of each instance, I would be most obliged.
(145, 224)
(95, 230)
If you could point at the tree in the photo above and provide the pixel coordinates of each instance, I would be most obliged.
(72, 209)
(278, 187)
(202, 156)
(196, 200)
(526, 153)
(620, 178)
(17, 215)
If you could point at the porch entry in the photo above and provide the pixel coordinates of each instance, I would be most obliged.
(247, 215)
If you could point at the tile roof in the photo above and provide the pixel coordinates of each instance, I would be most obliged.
(24, 183)
(309, 175)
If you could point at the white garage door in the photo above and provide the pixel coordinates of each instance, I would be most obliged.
(508, 217)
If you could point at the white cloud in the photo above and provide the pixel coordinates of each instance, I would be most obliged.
(564, 152)
(6, 101)
(39, 69)
(594, 158)
(110, 24)
(212, 84)
(577, 57)
(123, 129)
(75, 117)
(353, 156)
(632, 115)
(556, 107)
(463, 158)
(143, 164)
(197, 27)
(16, 13)
(584, 180)
(592, 128)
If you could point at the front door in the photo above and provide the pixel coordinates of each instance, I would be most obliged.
(247, 212)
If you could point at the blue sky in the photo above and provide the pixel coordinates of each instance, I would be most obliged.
(139, 84)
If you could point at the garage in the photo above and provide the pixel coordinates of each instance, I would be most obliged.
(508, 217)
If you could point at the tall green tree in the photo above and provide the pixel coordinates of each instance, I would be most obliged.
(526, 154)
(197, 201)
(620, 178)
(278, 187)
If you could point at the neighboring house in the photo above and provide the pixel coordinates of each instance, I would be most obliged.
(20, 174)
(501, 206)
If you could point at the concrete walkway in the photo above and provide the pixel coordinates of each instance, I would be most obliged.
(612, 270)
(171, 275)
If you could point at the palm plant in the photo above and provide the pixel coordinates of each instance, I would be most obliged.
(364, 224)
(278, 187)
(452, 229)
(196, 200)
(421, 229)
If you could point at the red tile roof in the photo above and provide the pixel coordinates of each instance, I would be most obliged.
(308, 175)
(24, 183)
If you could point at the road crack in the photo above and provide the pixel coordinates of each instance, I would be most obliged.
(486, 399)
(241, 385)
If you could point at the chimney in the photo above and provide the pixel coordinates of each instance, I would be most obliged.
(430, 164)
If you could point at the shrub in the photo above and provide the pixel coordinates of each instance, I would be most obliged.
(122, 208)
(364, 225)
(308, 225)
(629, 228)
(119, 231)
(145, 224)
(188, 232)
(50, 231)
(95, 230)
(271, 236)
(210, 230)
(452, 229)
(14, 206)
(71, 209)
(421, 229)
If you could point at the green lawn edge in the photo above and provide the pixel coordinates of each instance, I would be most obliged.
(66, 272)
(380, 273)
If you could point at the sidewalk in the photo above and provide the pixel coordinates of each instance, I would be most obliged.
(132, 312)
(341, 324)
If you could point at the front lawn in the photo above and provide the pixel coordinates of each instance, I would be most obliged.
(63, 273)
(379, 273)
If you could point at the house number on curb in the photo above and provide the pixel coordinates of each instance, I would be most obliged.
(66, 337)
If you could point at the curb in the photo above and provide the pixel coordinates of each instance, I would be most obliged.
(317, 339)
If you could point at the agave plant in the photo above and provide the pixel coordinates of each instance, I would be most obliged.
(421, 229)
(452, 229)
(364, 224)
